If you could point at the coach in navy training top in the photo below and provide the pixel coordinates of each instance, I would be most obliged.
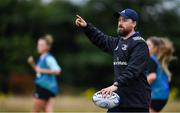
(130, 57)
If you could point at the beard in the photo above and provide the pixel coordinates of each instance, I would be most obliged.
(122, 31)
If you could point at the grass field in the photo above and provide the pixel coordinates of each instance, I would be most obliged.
(63, 104)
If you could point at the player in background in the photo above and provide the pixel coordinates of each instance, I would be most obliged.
(130, 59)
(47, 69)
(159, 76)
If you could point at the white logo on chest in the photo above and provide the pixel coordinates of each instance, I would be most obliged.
(124, 47)
(117, 62)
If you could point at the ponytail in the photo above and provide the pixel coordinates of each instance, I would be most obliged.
(165, 55)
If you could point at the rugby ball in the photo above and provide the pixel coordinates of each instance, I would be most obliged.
(108, 102)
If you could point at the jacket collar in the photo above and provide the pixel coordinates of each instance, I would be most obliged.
(134, 35)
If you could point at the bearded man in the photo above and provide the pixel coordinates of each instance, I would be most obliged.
(130, 57)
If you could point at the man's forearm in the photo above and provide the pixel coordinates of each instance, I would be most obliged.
(98, 38)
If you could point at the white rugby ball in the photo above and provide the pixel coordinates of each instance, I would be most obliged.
(108, 102)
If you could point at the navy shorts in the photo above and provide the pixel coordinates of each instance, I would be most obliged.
(42, 93)
(158, 105)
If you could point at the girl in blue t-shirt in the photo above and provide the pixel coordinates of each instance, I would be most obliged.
(47, 69)
(159, 76)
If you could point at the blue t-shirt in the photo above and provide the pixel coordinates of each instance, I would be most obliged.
(49, 82)
(159, 87)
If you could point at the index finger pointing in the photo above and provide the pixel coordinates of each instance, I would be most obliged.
(79, 16)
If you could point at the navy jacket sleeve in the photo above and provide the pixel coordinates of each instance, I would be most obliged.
(98, 38)
(136, 65)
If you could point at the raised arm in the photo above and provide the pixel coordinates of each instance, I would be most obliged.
(98, 38)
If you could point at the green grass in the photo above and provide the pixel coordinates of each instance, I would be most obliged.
(63, 104)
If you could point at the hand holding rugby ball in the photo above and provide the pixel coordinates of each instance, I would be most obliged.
(110, 101)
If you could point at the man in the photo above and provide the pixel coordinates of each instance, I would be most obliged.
(130, 57)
